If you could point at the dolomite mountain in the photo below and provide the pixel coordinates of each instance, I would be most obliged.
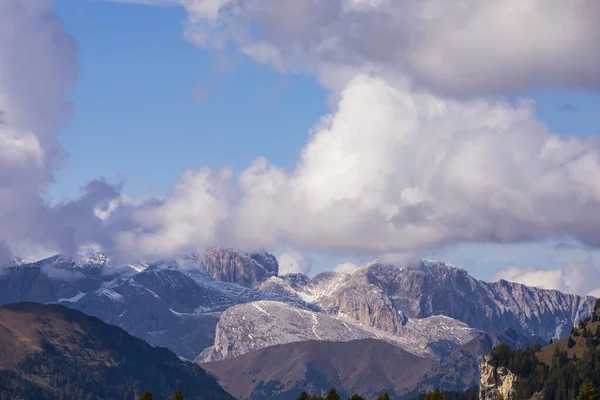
(384, 296)
(173, 303)
(257, 325)
(187, 303)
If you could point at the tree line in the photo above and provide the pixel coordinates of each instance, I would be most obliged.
(178, 395)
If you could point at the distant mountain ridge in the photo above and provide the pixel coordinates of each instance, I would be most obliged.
(172, 303)
(383, 296)
(427, 309)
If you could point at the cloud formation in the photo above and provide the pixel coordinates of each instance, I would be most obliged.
(400, 165)
(393, 170)
(580, 278)
(346, 268)
(465, 47)
(38, 70)
(293, 262)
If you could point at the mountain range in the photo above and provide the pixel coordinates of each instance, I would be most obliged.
(229, 307)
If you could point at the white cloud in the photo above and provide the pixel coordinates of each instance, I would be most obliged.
(461, 47)
(187, 219)
(392, 171)
(346, 268)
(396, 171)
(581, 278)
(292, 262)
(34, 43)
(59, 273)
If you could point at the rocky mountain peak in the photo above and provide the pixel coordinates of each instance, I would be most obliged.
(234, 266)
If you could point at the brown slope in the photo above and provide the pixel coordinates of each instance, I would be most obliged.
(50, 351)
(363, 366)
(578, 350)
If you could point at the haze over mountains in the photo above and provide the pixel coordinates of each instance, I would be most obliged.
(228, 305)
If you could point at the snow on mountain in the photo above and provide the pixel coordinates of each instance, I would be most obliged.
(379, 294)
(173, 303)
(428, 308)
(261, 324)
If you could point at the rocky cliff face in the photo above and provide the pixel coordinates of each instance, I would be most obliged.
(261, 324)
(252, 326)
(380, 295)
(245, 269)
(495, 382)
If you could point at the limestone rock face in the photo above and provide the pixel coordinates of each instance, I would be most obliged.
(380, 296)
(245, 269)
(496, 382)
(253, 326)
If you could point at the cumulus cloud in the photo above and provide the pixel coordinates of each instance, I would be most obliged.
(292, 262)
(346, 268)
(33, 43)
(469, 47)
(188, 218)
(394, 170)
(580, 278)
(399, 166)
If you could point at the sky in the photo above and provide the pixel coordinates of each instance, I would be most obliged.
(331, 133)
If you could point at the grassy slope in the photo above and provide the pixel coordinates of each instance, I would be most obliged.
(545, 355)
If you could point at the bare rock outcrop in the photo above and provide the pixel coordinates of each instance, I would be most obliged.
(245, 269)
(496, 382)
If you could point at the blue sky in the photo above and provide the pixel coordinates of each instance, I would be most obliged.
(149, 105)
(169, 105)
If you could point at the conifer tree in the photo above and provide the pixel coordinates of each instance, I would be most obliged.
(178, 395)
(146, 396)
(537, 347)
(588, 391)
(304, 396)
(332, 395)
(435, 395)
(384, 396)
(597, 334)
(550, 342)
(356, 397)
(570, 342)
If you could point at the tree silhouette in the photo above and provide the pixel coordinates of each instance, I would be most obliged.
(384, 396)
(332, 395)
(146, 396)
(178, 395)
(304, 396)
(435, 395)
(356, 397)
